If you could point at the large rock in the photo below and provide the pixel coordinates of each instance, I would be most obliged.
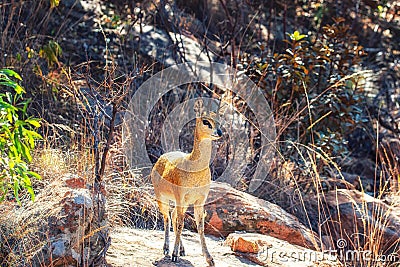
(158, 44)
(65, 226)
(230, 210)
(361, 222)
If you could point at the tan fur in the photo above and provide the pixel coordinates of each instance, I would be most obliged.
(185, 180)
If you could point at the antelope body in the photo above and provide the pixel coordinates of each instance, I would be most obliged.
(185, 180)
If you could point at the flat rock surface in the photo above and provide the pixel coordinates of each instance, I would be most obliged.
(135, 247)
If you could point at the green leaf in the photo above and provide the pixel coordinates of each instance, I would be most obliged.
(33, 122)
(7, 106)
(34, 134)
(26, 152)
(51, 52)
(18, 144)
(10, 117)
(8, 72)
(8, 83)
(296, 36)
(34, 174)
(16, 189)
(25, 104)
(17, 88)
(30, 191)
(11, 164)
(54, 3)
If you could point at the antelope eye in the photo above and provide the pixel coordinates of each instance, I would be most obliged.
(207, 123)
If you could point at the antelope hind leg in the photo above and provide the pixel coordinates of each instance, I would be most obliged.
(199, 217)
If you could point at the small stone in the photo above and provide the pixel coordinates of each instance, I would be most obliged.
(81, 199)
(247, 242)
(58, 248)
(239, 244)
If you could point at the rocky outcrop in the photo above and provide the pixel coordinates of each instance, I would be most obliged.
(363, 222)
(65, 226)
(230, 210)
(158, 44)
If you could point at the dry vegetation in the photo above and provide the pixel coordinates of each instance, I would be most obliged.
(334, 93)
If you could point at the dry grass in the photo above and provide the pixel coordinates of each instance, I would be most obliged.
(299, 189)
(130, 202)
(23, 231)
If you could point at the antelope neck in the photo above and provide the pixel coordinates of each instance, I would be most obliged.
(201, 149)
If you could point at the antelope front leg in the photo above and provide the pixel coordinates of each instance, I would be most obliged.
(199, 217)
(179, 215)
(164, 208)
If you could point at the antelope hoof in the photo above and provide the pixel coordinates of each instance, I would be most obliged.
(174, 258)
(166, 251)
(182, 251)
(211, 262)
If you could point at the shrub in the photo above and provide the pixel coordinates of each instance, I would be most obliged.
(17, 137)
(314, 87)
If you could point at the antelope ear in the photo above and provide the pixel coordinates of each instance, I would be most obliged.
(213, 115)
(198, 107)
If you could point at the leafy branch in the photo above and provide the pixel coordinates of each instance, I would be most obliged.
(17, 137)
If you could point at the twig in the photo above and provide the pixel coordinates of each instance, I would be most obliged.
(109, 140)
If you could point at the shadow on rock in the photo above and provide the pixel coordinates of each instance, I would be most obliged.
(166, 261)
